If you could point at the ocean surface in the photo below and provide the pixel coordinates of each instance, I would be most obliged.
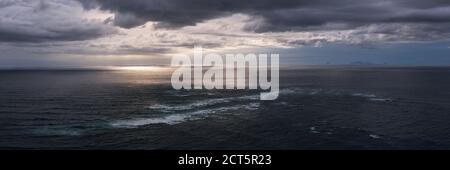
(341, 107)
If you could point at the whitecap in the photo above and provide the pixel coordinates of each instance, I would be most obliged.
(374, 136)
(283, 103)
(364, 95)
(372, 97)
(172, 119)
(380, 99)
(313, 130)
(179, 118)
(199, 104)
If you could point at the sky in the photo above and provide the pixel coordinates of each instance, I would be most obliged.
(60, 33)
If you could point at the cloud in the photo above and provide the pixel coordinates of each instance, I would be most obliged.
(164, 27)
(179, 13)
(281, 14)
(352, 14)
(357, 21)
(379, 18)
(47, 20)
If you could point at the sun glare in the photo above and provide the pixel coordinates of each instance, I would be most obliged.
(141, 68)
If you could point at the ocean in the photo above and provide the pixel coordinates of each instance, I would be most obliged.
(319, 107)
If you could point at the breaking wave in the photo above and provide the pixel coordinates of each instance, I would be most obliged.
(166, 108)
(178, 113)
(182, 117)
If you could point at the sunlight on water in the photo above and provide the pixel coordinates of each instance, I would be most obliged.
(142, 68)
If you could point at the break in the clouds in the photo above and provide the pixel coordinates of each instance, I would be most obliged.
(162, 27)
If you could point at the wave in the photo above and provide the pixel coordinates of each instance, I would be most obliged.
(372, 97)
(311, 92)
(313, 130)
(199, 104)
(178, 113)
(381, 99)
(364, 95)
(319, 91)
(172, 119)
(374, 136)
(179, 118)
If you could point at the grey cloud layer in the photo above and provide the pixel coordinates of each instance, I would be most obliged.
(47, 20)
(279, 15)
(368, 20)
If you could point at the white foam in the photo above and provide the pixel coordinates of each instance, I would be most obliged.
(380, 99)
(172, 119)
(364, 95)
(374, 136)
(289, 91)
(284, 103)
(313, 130)
(252, 106)
(179, 118)
(159, 106)
(319, 91)
(199, 104)
(310, 92)
(372, 97)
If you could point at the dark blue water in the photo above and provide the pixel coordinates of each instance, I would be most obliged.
(318, 108)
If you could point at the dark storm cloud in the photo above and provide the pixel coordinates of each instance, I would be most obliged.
(47, 20)
(178, 13)
(354, 14)
(55, 20)
(56, 35)
(279, 15)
